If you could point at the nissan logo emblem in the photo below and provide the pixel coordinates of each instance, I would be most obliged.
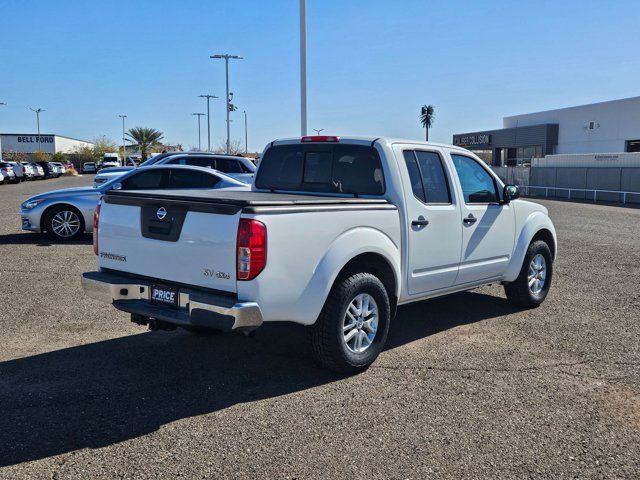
(161, 213)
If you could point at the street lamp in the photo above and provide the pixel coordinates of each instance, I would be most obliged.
(246, 149)
(230, 106)
(37, 112)
(199, 143)
(1, 103)
(124, 146)
(318, 130)
(303, 67)
(208, 97)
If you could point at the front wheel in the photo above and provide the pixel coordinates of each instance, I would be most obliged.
(353, 326)
(534, 281)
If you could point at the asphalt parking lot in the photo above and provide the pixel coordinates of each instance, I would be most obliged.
(468, 387)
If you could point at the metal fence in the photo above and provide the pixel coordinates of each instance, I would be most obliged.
(623, 197)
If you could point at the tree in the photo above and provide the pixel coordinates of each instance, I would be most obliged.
(427, 118)
(102, 145)
(145, 139)
(84, 154)
(236, 147)
(59, 157)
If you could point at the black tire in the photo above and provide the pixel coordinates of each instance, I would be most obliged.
(329, 347)
(518, 291)
(48, 218)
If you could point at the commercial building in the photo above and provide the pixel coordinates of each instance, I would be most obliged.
(599, 128)
(29, 143)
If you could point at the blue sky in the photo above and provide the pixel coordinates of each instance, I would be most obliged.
(371, 64)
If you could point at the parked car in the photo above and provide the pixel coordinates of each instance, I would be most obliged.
(38, 171)
(59, 168)
(238, 167)
(89, 167)
(19, 171)
(4, 177)
(8, 174)
(48, 169)
(335, 233)
(65, 214)
(29, 170)
(109, 159)
(68, 166)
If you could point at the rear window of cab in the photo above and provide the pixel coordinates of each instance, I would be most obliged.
(328, 168)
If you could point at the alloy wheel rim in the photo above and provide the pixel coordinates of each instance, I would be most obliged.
(360, 323)
(65, 224)
(537, 274)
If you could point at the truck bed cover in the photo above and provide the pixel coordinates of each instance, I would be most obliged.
(248, 201)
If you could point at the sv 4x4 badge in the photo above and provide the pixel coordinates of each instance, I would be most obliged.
(209, 273)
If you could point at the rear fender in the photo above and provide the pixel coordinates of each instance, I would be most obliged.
(343, 249)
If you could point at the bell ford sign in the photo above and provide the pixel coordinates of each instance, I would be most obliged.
(27, 143)
(477, 140)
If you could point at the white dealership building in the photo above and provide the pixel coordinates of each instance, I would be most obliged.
(29, 143)
(611, 127)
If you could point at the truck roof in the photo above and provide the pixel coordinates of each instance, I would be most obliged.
(368, 140)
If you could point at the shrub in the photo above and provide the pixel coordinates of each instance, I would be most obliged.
(40, 156)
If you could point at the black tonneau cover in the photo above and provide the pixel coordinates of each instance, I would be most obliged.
(232, 201)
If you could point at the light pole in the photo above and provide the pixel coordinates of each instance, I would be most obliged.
(37, 112)
(318, 130)
(199, 143)
(1, 103)
(246, 148)
(124, 146)
(303, 67)
(230, 107)
(208, 97)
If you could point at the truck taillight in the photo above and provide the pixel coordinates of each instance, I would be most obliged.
(251, 255)
(96, 220)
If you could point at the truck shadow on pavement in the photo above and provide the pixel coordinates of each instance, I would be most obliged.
(41, 240)
(98, 394)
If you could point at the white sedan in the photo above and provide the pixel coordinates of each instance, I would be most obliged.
(239, 168)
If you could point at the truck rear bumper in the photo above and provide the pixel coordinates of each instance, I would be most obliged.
(197, 308)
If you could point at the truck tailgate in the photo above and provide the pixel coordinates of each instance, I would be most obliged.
(169, 240)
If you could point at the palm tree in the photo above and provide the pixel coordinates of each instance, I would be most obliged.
(427, 117)
(145, 139)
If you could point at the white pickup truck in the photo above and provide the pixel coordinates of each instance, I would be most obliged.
(335, 234)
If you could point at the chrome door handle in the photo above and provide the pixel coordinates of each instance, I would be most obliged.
(470, 220)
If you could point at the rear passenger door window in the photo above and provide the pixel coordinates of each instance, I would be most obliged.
(202, 162)
(149, 180)
(428, 178)
(192, 179)
(227, 165)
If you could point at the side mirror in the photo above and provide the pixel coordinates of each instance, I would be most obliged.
(510, 192)
(117, 186)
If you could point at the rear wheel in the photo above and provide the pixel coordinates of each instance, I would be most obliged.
(353, 326)
(534, 281)
(64, 223)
